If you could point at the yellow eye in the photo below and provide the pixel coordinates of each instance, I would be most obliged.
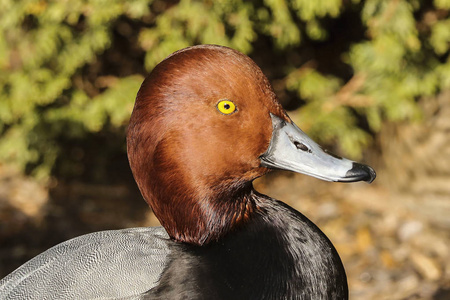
(226, 107)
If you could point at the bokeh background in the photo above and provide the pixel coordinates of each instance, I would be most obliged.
(369, 80)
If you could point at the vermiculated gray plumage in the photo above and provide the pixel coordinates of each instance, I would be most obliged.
(115, 264)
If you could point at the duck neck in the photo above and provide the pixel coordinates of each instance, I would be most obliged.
(200, 216)
(277, 254)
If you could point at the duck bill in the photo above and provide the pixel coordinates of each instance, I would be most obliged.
(292, 150)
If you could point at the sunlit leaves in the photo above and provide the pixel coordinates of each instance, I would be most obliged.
(311, 85)
(308, 10)
(226, 23)
(444, 4)
(44, 44)
(440, 36)
(280, 25)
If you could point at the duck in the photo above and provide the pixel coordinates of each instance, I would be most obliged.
(206, 123)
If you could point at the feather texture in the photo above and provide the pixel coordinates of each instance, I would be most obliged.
(102, 265)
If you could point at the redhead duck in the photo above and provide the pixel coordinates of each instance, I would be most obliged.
(205, 124)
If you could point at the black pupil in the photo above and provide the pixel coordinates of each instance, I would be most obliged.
(226, 106)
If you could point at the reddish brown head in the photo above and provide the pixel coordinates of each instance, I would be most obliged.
(194, 164)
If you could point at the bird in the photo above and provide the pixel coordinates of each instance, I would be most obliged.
(206, 123)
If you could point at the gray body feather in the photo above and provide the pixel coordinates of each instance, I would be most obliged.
(115, 264)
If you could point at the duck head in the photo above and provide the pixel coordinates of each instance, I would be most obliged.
(205, 124)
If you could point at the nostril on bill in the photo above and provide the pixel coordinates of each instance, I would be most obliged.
(301, 146)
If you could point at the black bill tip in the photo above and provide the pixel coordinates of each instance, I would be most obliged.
(360, 172)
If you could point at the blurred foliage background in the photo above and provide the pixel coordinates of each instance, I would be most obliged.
(369, 79)
(71, 69)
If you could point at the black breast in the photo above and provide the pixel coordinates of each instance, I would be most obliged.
(279, 254)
